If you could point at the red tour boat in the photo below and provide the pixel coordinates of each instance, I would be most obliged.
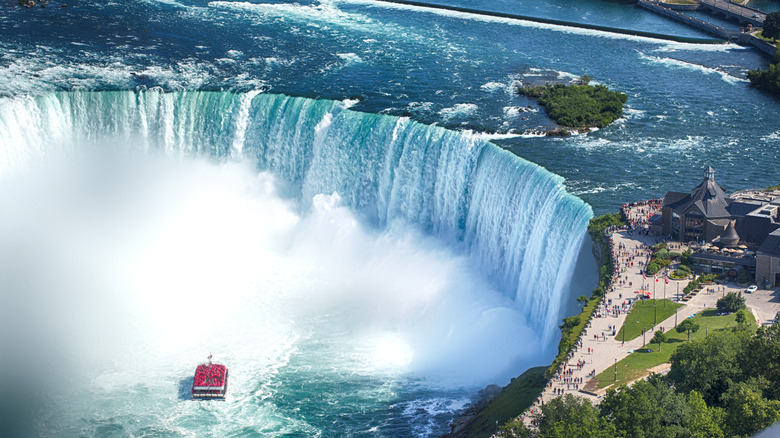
(211, 381)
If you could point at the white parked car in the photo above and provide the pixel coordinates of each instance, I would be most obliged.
(751, 289)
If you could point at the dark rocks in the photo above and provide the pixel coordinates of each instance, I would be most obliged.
(461, 426)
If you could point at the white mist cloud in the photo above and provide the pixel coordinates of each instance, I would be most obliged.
(118, 268)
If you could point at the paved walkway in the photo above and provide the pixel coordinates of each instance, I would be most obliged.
(598, 350)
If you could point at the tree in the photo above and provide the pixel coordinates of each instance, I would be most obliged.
(704, 421)
(572, 417)
(772, 25)
(578, 105)
(747, 411)
(710, 365)
(582, 299)
(741, 320)
(659, 338)
(685, 258)
(688, 325)
(764, 359)
(768, 79)
(646, 409)
(731, 302)
(516, 429)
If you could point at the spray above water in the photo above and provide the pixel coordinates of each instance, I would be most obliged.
(192, 255)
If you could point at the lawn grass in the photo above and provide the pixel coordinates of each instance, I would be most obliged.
(636, 364)
(760, 35)
(642, 316)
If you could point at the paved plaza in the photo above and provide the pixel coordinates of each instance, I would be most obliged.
(598, 349)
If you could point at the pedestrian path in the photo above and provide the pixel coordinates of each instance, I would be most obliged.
(597, 349)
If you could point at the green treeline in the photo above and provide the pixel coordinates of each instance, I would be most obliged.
(578, 105)
(725, 385)
(768, 79)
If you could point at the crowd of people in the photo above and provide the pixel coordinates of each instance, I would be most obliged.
(638, 216)
(641, 212)
(209, 375)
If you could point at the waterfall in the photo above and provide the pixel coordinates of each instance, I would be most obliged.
(513, 218)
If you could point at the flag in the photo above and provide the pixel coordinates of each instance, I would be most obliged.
(656, 278)
(643, 275)
(667, 279)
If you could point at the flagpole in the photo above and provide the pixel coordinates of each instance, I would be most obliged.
(655, 303)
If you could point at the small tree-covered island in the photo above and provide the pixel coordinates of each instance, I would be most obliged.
(578, 106)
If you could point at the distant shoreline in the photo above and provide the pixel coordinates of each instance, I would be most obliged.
(679, 39)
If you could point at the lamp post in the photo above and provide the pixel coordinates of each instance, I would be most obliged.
(643, 336)
(616, 369)
(665, 292)
(655, 316)
(675, 316)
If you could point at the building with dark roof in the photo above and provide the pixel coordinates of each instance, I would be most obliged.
(700, 215)
(743, 229)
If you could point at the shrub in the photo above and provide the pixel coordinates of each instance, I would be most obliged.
(652, 268)
(659, 246)
(662, 253)
(744, 276)
(693, 284)
(681, 272)
(708, 277)
(570, 322)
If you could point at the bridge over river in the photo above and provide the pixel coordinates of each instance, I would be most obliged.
(743, 14)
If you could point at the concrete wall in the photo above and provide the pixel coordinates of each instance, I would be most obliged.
(758, 43)
(767, 267)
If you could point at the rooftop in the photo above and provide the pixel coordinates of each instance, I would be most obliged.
(708, 197)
